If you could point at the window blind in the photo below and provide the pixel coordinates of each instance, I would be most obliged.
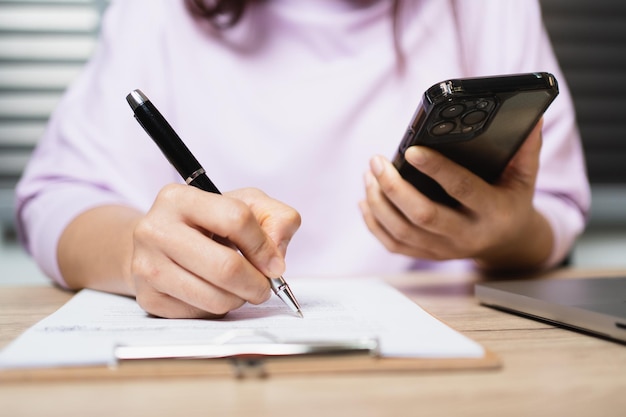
(589, 38)
(43, 45)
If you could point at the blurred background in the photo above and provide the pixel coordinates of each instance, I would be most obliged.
(45, 43)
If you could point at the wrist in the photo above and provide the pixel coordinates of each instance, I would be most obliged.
(529, 249)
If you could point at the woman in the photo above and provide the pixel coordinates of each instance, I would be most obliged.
(297, 98)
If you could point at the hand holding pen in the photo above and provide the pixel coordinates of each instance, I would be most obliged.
(186, 273)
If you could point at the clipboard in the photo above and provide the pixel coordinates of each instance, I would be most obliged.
(252, 360)
(100, 335)
(249, 359)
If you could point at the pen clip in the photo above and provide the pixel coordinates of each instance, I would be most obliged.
(252, 343)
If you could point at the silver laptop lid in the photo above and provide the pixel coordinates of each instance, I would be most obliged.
(595, 305)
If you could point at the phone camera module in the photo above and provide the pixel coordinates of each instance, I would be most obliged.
(452, 111)
(442, 128)
(463, 117)
(482, 104)
(474, 117)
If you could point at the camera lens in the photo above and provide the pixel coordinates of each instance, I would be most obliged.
(442, 128)
(474, 117)
(452, 111)
(482, 104)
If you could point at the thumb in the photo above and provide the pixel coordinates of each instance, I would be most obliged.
(281, 226)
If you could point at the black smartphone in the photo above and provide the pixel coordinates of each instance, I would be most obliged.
(477, 122)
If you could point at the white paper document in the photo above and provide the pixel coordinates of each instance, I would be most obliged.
(87, 329)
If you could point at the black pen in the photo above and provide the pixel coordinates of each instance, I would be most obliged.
(188, 167)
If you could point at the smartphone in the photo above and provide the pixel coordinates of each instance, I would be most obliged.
(477, 122)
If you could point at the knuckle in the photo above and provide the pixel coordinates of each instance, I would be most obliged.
(145, 230)
(170, 192)
(293, 217)
(149, 303)
(144, 270)
(240, 215)
(255, 193)
(261, 296)
(220, 306)
(138, 267)
(462, 189)
(401, 234)
(393, 246)
(230, 267)
(424, 216)
(150, 234)
(389, 188)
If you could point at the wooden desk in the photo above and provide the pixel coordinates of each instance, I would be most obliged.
(546, 371)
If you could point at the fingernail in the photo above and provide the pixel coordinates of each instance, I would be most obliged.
(377, 165)
(415, 155)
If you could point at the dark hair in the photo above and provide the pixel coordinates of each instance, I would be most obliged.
(221, 13)
(226, 13)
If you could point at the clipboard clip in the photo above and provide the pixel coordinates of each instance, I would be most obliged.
(247, 349)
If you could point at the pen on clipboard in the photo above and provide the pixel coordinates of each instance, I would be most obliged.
(189, 168)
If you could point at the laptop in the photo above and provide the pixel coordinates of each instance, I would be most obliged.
(593, 305)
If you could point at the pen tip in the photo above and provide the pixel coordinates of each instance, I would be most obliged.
(300, 314)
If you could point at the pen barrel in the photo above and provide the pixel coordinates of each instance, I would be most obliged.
(167, 139)
(203, 182)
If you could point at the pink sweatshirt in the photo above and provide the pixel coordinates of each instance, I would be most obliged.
(294, 100)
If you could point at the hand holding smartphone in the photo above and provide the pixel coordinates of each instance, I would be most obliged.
(479, 123)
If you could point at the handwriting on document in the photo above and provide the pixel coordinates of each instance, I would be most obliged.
(86, 330)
